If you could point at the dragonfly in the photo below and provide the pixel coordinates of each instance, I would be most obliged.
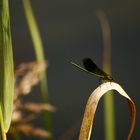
(91, 68)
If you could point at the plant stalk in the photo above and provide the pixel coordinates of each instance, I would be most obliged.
(38, 47)
(109, 109)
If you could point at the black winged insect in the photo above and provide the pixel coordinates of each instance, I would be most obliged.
(91, 68)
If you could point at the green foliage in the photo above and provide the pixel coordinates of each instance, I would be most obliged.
(38, 47)
(6, 68)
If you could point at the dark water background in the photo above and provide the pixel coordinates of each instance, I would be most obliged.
(71, 31)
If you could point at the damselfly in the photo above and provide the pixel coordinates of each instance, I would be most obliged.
(91, 68)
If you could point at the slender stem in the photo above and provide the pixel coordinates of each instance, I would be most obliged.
(109, 110)
(38, 47)
(3, 136)
(2, 133)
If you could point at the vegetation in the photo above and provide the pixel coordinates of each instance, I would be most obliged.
(17, 116)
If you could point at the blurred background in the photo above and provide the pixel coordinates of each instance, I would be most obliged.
(71, 30)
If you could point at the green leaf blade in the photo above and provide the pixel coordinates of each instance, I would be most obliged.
(6, 67)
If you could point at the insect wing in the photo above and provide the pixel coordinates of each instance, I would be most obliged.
(92, 67)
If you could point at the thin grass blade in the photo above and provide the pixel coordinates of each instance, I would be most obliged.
(38, 47)
(109, 109)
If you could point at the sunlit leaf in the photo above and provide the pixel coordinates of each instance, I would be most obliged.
(6, 67)
(92, 104)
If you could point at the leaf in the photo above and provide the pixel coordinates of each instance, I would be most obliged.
(92, 104)
(39, 52)
(6, 67)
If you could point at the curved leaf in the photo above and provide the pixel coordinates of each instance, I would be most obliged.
(92, 104)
